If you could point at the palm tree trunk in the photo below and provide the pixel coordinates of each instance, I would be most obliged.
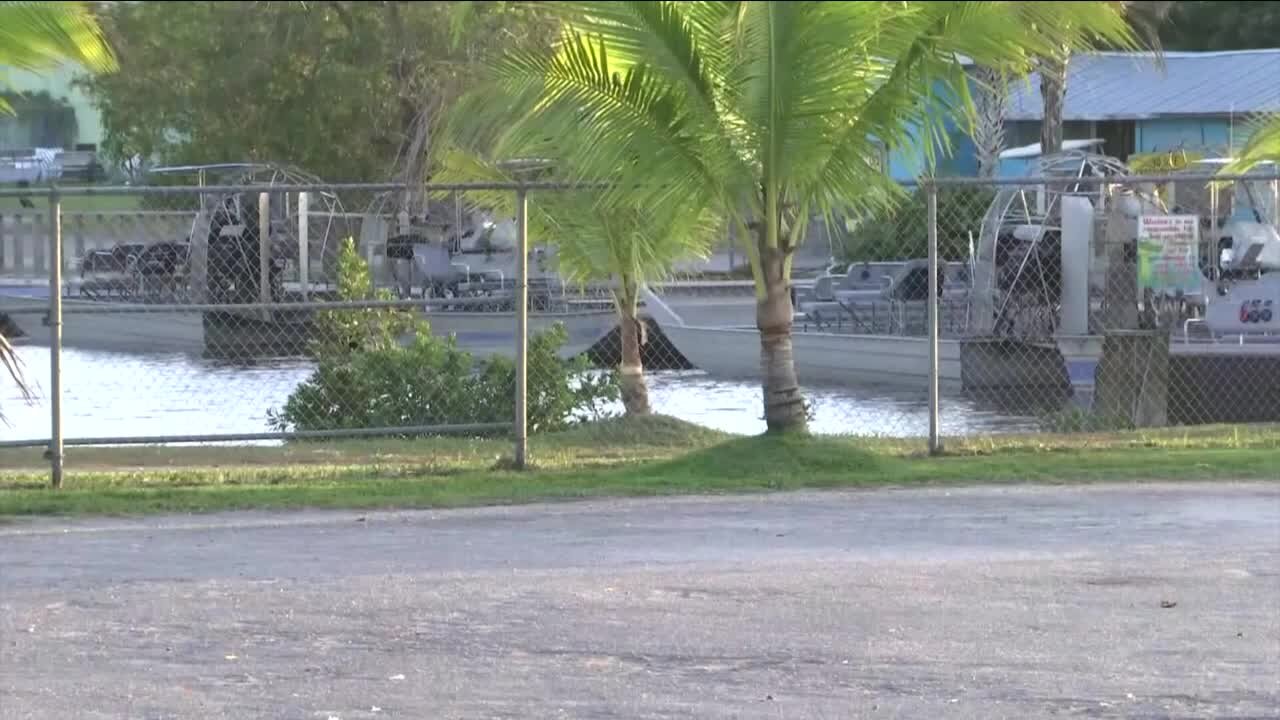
(990, 100)
(635, 392)
(784, 408)
(1053, 91)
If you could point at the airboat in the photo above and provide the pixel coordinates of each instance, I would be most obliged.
(459, 264)
(120, 298)
(1052, 272)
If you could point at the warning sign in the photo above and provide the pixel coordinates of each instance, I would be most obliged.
(1169, 253)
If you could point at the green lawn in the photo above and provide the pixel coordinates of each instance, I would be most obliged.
(101, 203)
(658, 456)
(77, 203)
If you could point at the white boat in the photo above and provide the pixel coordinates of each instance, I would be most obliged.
(824, 353)
(137, 330)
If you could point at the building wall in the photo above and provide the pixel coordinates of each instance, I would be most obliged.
(1209, 135)
(58, 83)
(1204, 134)
(906, 165)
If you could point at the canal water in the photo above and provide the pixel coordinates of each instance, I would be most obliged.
(116, 394)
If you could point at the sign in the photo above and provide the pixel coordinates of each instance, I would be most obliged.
(1169, 254)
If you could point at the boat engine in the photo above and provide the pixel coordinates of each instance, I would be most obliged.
(235, 253)
(911, 282)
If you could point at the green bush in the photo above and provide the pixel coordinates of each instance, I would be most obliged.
(371, 374)
(903, 231)
(342, 332)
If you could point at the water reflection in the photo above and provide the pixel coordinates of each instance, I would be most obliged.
(736, 406)
(113, 395)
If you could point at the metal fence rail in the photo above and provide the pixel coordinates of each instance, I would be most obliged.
(1080, 300)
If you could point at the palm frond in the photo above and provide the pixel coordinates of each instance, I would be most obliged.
(41, 35)
(628, 127)
(13, 365)
(1263, 145)
(38, 36)
(676, 38)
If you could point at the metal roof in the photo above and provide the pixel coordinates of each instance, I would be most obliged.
(1131, 86)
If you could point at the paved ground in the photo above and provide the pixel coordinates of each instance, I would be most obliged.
(1125, 601)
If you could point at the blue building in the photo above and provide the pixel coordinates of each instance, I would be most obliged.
(1134, 103)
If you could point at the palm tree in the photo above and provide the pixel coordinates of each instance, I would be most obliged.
(772, 113)
(39, 36)
(625, 247)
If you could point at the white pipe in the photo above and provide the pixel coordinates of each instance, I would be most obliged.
(1077, 238)
(264, 252)
(304, 249)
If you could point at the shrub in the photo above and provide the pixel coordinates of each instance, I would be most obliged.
(383, 368)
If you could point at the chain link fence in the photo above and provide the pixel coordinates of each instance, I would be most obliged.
(1081, 300)
(1103, 302)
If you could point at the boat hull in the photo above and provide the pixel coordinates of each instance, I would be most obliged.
(490, 334)
(822, 358)
(147, 332)
(162, 331)
(1205, 380)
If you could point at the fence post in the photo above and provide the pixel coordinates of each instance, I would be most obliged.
(522, 327)
(935, 441)
(55, 338)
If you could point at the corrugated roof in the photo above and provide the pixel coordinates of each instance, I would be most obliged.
(1122, 86)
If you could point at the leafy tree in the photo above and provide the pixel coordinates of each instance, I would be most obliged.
(348, 91)
(40, 36)
(1221, 25)
(769, 112)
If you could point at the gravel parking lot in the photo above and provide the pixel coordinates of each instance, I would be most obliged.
(1152, 600)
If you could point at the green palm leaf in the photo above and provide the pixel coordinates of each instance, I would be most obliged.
(1263, 145)
(38, 36)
